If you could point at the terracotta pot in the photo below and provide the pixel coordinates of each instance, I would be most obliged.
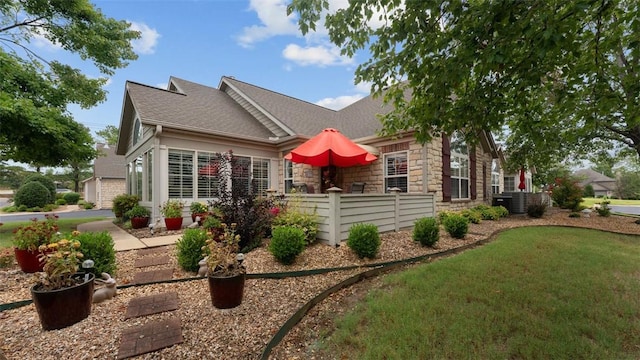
(58, 309)
(28, 260)
(139, 222)
(226, 291)
(173, 223)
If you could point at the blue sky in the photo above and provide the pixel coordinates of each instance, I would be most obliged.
(201, 41)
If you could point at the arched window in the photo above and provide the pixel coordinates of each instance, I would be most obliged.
(137, 131)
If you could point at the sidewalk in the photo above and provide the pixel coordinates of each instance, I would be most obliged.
(125, 241)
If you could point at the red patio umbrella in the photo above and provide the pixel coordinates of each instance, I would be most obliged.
(522, 184)
(330, 147)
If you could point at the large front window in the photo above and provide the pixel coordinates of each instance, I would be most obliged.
(459, 168)
(180, 174)
(288, 176)
(395, 171)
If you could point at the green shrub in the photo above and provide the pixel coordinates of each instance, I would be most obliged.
(138, 211)
(10, 209)
(123, 203)
(501, 211)
(49, 207)
(442, 215)
(472, 215)
(604, 209)
(71, 198)
(32, 194)
(46, 182)
(22, 208)
(567, 193)
(364, 240)
(308, 223)
(426, 231)
(88, 205)
(189, 248)
(456, 225)
(574, 214)
(487, 212)
(536, 210)
(99, 247)
(588, 191)
(61, 202)
(287, 242)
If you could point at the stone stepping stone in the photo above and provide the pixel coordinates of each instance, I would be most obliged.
(153, 304)
(149, 337)
(153, 276)
(152, 251)
(151, 261)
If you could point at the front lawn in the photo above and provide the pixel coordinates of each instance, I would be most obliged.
(534, 292)
(66, 225)
(589, 202)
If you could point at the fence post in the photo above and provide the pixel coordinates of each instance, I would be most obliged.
(334, 215)
(396, 212)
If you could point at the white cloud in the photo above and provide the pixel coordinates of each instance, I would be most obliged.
(273, 21)
(315, 55)
(339, 102)
(148, 38)
(40, 41)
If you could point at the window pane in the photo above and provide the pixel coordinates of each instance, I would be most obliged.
(464, 189)
(260, 176)
(139, 177)
(399, 182)
(180, 174)
(240, 175)
(208, 177)
(150, 175)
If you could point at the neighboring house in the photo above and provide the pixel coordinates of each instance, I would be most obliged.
(602, 184)
(108, 180)
(170, 139)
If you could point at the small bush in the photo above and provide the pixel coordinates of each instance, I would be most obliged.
(637, 221)
(426, 231)
(123, 203)
(456, 225)
(32, 194)
(61, 202)
(472, 215)
(604, 209)
(487, 212)
(71, 198)
(364, 240)
(308, 223)
(22, 208)
(49, 207)
(442, 215)
(536, 210)
(189, 249)
(287, 242)
(99, 247)
(6, 258)
(501, 211)
(567, 193)
(574, 214)
(88, 205)
(46, 182)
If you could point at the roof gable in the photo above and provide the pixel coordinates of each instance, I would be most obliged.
(108, 164)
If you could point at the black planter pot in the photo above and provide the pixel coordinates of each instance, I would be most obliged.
(58, 309)
(226, 291)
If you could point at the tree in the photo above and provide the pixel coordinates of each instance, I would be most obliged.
(628, 185)
(35, 126)
(562, 77)
(109, 134)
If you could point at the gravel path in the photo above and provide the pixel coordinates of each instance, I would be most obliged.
(239, 333)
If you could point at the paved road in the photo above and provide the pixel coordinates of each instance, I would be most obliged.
(62, 215)
(626, 209)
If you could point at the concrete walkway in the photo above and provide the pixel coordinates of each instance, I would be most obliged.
(125, 241)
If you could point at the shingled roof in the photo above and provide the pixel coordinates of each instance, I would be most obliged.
(109, 166)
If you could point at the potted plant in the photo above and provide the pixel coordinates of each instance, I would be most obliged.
(225, 271)
(172, 212)
(139, 216)
(61, 295)
(28, 239)
(198, 209)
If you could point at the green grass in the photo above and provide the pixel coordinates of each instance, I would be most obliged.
(66, 225)
(588, 202)
(537, 292)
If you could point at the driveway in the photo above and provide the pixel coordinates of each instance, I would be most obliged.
(626, 209)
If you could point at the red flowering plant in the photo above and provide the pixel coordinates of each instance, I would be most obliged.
(31, 237)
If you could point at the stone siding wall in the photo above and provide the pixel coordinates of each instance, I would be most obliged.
(110, 189)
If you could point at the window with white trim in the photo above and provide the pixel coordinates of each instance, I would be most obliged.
(138, 176)
(208, 176)
(180, 174)
(260, 176)
(288, 175)
(495, 177)
(509, 184)
(459, 167)
(396, 171)
(137, 131)
(150, 175)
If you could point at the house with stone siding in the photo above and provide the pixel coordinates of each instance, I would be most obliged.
(108, 179)
(170, 138)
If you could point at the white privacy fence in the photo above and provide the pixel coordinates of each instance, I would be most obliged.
(337, 212)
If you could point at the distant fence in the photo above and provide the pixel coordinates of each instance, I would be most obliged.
(337, 212)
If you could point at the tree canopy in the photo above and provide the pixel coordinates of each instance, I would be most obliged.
(558, 78)
(35, 125)
(109, 134)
